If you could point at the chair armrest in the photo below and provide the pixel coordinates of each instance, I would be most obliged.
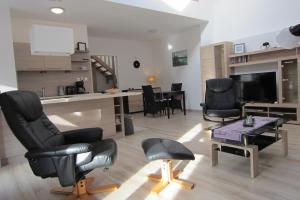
(86, 135)
(62, 150)
(203, 105)
(239, 104)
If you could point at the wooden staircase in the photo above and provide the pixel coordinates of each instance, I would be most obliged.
(105, 65)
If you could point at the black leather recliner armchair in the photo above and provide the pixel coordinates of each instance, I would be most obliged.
(220, 100)
(67, 155)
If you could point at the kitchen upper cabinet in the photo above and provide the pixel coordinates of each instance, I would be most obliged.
(25, 61)
(55, 63)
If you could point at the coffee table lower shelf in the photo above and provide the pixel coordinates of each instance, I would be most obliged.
(250, 150)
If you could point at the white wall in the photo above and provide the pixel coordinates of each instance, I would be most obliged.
(8, 80)
(156, 59)
(188, 75)
(127, 51)
(255, 42)
(21, 29)
(236, 19)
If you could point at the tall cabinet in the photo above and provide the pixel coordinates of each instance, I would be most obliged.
(214, 62)
(289, 73)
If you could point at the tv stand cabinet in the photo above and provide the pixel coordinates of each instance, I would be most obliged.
(287, 68)
(288, 111)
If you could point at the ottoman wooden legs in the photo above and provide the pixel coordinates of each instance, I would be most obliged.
(167, 176)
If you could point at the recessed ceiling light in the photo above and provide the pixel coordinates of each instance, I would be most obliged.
(152, 31)
(57, 10)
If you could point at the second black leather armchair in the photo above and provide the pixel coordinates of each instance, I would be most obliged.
(220, 100)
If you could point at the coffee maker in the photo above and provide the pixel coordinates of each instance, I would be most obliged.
(80, 89)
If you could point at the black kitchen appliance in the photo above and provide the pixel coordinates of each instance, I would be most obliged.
(70, 90)
(80, 89)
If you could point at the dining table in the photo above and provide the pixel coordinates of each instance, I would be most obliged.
(169, 95)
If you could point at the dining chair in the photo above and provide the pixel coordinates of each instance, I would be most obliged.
(176, 101)
(151, 104)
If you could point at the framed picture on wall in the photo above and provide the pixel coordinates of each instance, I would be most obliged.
(240, 48)
(180, 58)
(81, 46)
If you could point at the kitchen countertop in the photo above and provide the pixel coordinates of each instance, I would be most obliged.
(84, 97)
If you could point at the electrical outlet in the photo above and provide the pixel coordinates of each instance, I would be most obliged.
(86, 79)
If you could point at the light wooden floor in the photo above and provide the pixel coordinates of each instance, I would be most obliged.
(279, 177)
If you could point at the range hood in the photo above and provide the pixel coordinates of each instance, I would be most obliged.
(51, 40)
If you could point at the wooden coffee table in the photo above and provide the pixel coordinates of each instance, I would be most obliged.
(250, 142)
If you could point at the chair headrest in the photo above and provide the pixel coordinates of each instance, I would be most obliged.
(219, 85)
(26, 103)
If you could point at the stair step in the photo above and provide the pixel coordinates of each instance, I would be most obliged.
(103, 69)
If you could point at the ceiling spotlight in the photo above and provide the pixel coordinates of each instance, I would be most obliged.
(152, 31)
(57, 10)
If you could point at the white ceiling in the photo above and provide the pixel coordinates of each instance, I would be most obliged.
(107, 19)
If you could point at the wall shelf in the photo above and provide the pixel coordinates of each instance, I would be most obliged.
(80, 61)
(256, 52)
(77, 51)
(119, 116)
(253, 63)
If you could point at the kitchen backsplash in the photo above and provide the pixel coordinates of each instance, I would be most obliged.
(35, 81)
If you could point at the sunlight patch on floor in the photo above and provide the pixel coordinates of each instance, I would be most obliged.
(78, 114)
(134, 182)
(171, 191)
(191, 134)
(202, 140)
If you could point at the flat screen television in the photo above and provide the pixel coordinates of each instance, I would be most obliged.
(256, 87)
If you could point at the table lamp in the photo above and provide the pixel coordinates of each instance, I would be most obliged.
(151, 79)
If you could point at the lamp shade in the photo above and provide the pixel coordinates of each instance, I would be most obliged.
(151, 79)
(287, 40)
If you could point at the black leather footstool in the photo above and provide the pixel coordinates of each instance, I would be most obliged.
(166, 150)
